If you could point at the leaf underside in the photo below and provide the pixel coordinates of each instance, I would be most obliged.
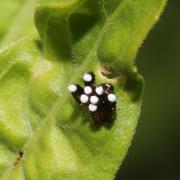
(37, 113)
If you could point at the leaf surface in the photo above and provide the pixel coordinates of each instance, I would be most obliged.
(37, 113)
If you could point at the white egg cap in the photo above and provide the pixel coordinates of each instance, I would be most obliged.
(111, 97)
(72, 88)
(92, 107)
(87, 77)
(84, 98)
(99, 90)
(88, 90)
(94, 99)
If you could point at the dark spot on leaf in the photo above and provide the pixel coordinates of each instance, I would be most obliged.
(21, 153)
(19, 157)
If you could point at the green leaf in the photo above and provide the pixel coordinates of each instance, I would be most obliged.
(16, 20)
(37, 113)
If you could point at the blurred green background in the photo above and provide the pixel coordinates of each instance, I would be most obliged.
(155, 151)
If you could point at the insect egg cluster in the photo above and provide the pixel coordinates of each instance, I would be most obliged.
(100, 100)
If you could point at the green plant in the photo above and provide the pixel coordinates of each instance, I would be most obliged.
(38, 114)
